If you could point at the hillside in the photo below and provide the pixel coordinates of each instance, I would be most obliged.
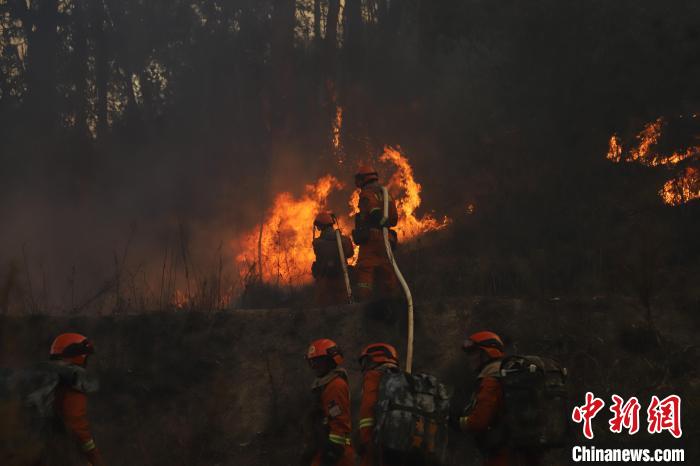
(230, 388)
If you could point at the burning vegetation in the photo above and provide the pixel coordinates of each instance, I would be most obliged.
(682, 188)
(279, 251)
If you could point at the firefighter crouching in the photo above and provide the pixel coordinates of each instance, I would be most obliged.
(484, 416)
(327, 270)
(331, 413)
(374, 273)
(71, 350)
(376, 360)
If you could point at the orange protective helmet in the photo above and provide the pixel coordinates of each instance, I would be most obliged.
(323, 219)
(72, 347)
(380, 353)
(324, 347)
(365, 174)
(486, 341)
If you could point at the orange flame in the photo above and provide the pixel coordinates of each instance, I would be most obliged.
(337, 125)
(643, 153)
(615, 149)
(285, 245)
(676, 191)
(179, 300)
(286, 238)
(683, 188)
(406, 191)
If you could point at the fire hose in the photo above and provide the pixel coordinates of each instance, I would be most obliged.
(399, 276)
(343, 262)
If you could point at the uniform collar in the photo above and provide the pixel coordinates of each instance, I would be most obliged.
(326, 379)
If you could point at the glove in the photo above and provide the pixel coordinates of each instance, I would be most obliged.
(94, 458)
(455, 422)
(331, 454)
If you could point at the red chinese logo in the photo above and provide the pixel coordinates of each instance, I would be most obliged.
(661, 415)
(625, 415)
(665, 415)
(587, 412)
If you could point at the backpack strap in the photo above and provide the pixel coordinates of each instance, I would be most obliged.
(491, 369)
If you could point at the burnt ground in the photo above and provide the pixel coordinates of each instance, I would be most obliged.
(230, 388)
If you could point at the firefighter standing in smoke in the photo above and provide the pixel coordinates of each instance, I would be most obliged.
(70, 351)
(374, 273)
(327, 269)
(330, 417)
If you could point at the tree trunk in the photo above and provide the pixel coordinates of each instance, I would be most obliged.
(317, 21)
(331, 38)
(101, 66)
(42, 49)
(80, 68)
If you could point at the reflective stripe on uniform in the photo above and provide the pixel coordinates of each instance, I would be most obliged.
(366, 422)
(364, 285)
(339, 439)
(463, 422)
(89, 445)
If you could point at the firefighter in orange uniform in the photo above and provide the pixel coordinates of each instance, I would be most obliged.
(484, 415)
(376, 360)
(331, 415)
(327, 269)
(70, 402)
(374, 273)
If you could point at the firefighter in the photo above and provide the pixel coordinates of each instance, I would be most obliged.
(374, 273)
(483, 417)
(331, 414)
(376, 360)
(327, 270)
(71, 351)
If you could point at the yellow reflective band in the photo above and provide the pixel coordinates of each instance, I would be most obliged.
(364, 285)
(89, 445)
(463, 422)
(366, 422)
(339, 439)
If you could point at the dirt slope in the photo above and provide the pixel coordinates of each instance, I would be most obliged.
(230, 388)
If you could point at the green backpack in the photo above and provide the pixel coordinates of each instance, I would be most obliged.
(536, 403)
(411, 417)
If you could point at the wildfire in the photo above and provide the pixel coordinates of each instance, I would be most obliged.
(615, 150)
(683, 188)
(337, 125)
(676, 191)
(406, 190)
(281, 253)
(644, 153)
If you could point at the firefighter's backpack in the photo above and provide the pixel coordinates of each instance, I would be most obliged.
(411, 416)
(327, 262)
(536, 410)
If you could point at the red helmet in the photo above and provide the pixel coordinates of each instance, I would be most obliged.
(486, 341)
(380, 353)
(324, 347)
(365, 174)
(72, 347)
(323, 219)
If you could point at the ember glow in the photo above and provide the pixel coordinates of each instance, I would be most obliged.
(285, 240)
(337, 125)
(676, 191)
(406, 190)
(682, 189)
